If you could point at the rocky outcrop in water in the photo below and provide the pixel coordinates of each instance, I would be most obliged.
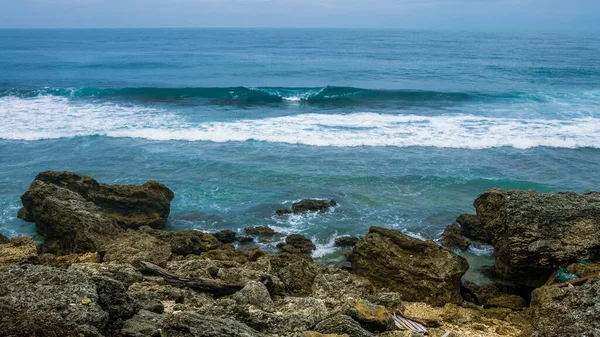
(308, 205)
(419, 270)
(130, 206)
(533, 234)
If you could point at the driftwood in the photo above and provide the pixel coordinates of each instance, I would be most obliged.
(215, 287)
(577, 281)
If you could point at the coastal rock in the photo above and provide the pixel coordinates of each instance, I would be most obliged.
(346, 241)
(46, 301)
(473, 228)
(143, 324)
(308, 205)
(255, 294)
(419, 270)
(297, 244)
(227, 254)
(114, 300)
(260, 231)
(453, 238)
(513, 302)
(3, 239)
(67, 221)
(191, 324)
(226, 236)
(130, 205)
(567, 311)
(185, 242)
(335, 287)
(122, 272)
(480, 294)
(18, 250)
(375, 318)
(296, 271)
(135, 246)
(584, 269)
(342, 324)
(535, 233)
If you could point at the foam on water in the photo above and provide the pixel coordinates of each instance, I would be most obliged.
(47, 117)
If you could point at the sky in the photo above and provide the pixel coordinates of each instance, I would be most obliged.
(483, 15)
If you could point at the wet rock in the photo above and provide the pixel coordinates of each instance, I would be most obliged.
(143, 324)
(20, 249)
(185, 242)
(375, 318)
(191, 324)
(135, 246)
(46, 301)
(3, 239)
(346, 241)
(335, 287)
(297, 244)
(67, 221)
(245, 239)
(420, 270)
(342, 324)
(255, 294)
(122, 272)
(308, 205)
(296, 271)
(260, 231)
(255, 254)
(130, 205)
(535, 233)
(567, 311)
(226, 236)
(513, 302)
(453, 238)
(473, 228)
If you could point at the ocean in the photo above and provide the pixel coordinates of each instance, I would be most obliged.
(402, 128)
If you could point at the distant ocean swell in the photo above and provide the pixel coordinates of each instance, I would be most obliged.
(51, 117)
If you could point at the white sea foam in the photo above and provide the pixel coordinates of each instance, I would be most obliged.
(47, 117)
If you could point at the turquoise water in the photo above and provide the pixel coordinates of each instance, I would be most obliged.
(402, 128)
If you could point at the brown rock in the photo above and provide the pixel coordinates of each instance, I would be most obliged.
(420, 270)
(473, 228)
(135, 246)
(346, 241)
(20, 249)
(185, 242)
(584, 269)
(453, 238)
(260, 231)
(296, 271)
(297, 244)
(513, 302)
(375, 318)
(3, 239)
(226, 236)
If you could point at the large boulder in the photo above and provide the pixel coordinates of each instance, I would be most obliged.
(567, 311)
(185, 242)
(130, 206)
(296, 271)
(134, 246)
(535, 233)
(66, 220)
(421, 271)
(297, 244)
(46, 301)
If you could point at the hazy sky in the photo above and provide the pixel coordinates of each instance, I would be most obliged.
(515, 15)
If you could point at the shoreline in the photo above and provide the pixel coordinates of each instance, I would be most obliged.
(98, 237)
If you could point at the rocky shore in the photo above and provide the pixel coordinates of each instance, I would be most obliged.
(107, 268)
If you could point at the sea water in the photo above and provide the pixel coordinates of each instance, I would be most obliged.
(402, 128)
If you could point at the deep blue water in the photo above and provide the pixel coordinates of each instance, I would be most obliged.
(403, 128)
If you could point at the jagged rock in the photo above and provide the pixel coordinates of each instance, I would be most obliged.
(513, 302)
(130, 205)
(3, 239)
(226, 253)
(318, 334)
(342, 324)
(375, 318)
(194, 268)
(480, 294)
(226, 236)
(496, 313)
(113, 299)
(255, 254)
(297, 244)
(473, 228)
(191, 324)
(260, 231)
(535, 233)
(584, 269)
(296, 271)
(567, 311)
(135, 246)
(346, 241)
(391, 300)
(185, 242)
(20, 249)
(337, 286)
(143, 324)
(46, 301)
(152, 296)
(122, 272)
(453, 238)
(245, 239)
(67, 221)
(308, 205)
(255, 294)
(420, 270)
(309, 308)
